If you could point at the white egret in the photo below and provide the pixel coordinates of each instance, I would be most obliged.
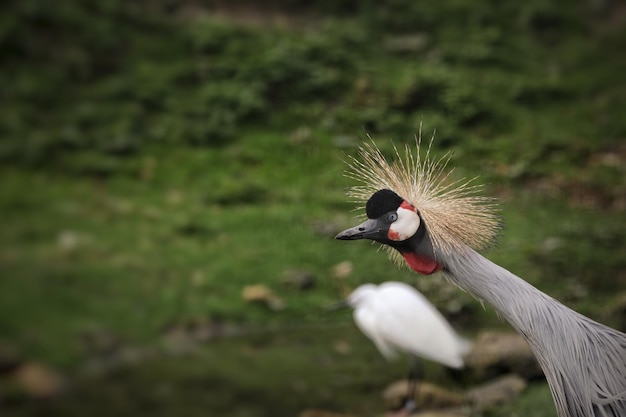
(398, 318)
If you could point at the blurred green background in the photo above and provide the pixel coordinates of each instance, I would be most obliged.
(159, 157)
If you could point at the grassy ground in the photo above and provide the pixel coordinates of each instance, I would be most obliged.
(141, 193)
(133, 258)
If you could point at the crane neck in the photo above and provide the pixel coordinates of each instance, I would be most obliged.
(584, 361)
(517, 301)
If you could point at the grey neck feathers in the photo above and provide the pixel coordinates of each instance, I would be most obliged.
(583, 361)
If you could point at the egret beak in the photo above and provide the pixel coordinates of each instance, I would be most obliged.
(369, 229)
(340, 305)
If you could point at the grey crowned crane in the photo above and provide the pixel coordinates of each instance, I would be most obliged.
(436, 225)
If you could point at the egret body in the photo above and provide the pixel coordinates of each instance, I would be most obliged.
(398, 318)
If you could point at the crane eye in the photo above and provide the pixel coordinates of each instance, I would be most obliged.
(392, 217)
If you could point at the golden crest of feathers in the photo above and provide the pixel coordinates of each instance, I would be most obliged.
(455, 215)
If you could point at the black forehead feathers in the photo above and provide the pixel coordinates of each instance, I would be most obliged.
(381, 202)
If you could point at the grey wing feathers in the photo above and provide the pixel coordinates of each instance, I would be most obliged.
(598, 387)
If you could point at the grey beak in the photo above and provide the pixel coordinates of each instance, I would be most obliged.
(337, 306)
(366, 230)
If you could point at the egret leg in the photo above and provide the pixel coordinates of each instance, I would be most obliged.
(416, 372)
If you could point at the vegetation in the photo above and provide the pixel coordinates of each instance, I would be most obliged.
(157, 157)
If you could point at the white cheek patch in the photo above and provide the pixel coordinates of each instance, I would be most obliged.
(406, 226)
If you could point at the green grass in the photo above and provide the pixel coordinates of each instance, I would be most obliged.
(137, 254)
(535, 402)
(148, 177)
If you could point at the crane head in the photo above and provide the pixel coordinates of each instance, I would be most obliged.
(393, 221)
(417, 209)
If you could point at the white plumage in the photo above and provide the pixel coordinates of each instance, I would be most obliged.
(397, 317)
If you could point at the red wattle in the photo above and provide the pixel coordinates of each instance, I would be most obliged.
(407, 206)
(393, 235)
(421, 264)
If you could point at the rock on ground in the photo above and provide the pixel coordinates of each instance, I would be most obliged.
(39, 381)
(427, 396)
(498, 353)
(497, 392)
